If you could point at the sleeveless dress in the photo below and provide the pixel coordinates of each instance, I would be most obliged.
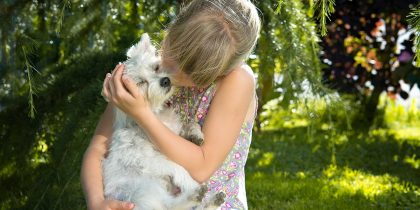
(192, 103)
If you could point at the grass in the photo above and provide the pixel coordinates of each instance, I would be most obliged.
(377, 168)
(289, 167)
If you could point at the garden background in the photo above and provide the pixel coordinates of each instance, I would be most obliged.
(338, 123)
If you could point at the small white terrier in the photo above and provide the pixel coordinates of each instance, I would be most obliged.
(134, 170)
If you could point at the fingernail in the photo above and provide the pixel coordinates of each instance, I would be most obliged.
(108, 75)
(119, 63)
(130, 205)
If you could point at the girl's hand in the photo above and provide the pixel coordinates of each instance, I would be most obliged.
(121, 91)
(113, 205)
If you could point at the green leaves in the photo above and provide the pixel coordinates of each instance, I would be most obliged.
(324, 9)
(280, 4)
(414, 20)
(289, 50)
(32, 90)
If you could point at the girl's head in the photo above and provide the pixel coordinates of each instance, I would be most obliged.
(210, 37)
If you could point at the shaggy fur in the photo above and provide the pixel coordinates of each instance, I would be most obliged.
(134, 170)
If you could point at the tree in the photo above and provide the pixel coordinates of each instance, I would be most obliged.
(372, 58)
(56, 53)
(287, 52)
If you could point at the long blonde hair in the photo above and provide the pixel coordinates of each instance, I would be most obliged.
(210, 37)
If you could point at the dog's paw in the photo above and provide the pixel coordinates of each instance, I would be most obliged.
(197, 140)
(171, 187)
(216, 201)
(219, 199)
(192, 132)
(201, 191)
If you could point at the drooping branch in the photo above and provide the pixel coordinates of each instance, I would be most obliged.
(414, 19)
(324, 9)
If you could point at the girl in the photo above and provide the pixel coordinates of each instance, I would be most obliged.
(203, 50)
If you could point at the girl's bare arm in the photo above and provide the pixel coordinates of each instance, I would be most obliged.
(91, 171)
(221, 128)
(229, 108)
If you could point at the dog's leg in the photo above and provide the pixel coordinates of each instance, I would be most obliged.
(171, 187)
(199, 194)
(193, 200)
(192, 132)
(215, 201)
(218, 199)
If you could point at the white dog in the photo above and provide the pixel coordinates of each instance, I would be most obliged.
(134, 170)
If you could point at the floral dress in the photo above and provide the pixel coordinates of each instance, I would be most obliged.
(192, 103)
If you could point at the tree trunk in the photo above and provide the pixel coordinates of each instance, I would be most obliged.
(372, 104)
(3, 47)
(266, 76)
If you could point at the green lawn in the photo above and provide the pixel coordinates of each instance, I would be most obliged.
(372, 169)
(289, 167)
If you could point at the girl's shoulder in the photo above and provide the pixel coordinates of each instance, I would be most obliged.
(240, 76)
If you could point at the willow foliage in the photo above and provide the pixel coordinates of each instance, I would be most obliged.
(54, 55)
(287, 60)
(414, 19)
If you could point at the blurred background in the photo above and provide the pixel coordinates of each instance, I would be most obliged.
(338, 123)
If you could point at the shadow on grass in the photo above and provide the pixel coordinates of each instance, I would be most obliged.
(304, 193)
(291, 151)
(370, 171)
(380, 153)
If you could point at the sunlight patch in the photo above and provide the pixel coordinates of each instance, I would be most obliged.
(350, 181)
(412, 161)
(409, 134)
(295, 123)
(266, 159)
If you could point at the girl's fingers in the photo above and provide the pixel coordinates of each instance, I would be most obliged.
(111, 85)
(118, 86)
(115, 69)
(105, 92)
(130, 86)
(120, 205)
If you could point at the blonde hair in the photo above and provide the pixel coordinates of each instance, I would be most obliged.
(210, 37)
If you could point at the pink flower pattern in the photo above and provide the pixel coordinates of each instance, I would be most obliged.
(192, 104)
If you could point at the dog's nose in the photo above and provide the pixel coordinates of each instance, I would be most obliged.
(165, 82)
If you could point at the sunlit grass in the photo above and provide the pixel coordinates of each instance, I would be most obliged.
(410, 134)
(266, 159)
(289, 173)
(337, 188)
(332, 167)
(398, 116)
(413, 161)
(349, 181)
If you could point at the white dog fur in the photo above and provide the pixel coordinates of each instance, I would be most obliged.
(134, 170)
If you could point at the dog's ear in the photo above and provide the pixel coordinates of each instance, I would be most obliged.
(141, 47)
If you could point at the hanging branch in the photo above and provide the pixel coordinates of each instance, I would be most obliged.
(324, 8)
(32, 90)
(280, 4)
(61, 17)
(414, 20)
(299, 58)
